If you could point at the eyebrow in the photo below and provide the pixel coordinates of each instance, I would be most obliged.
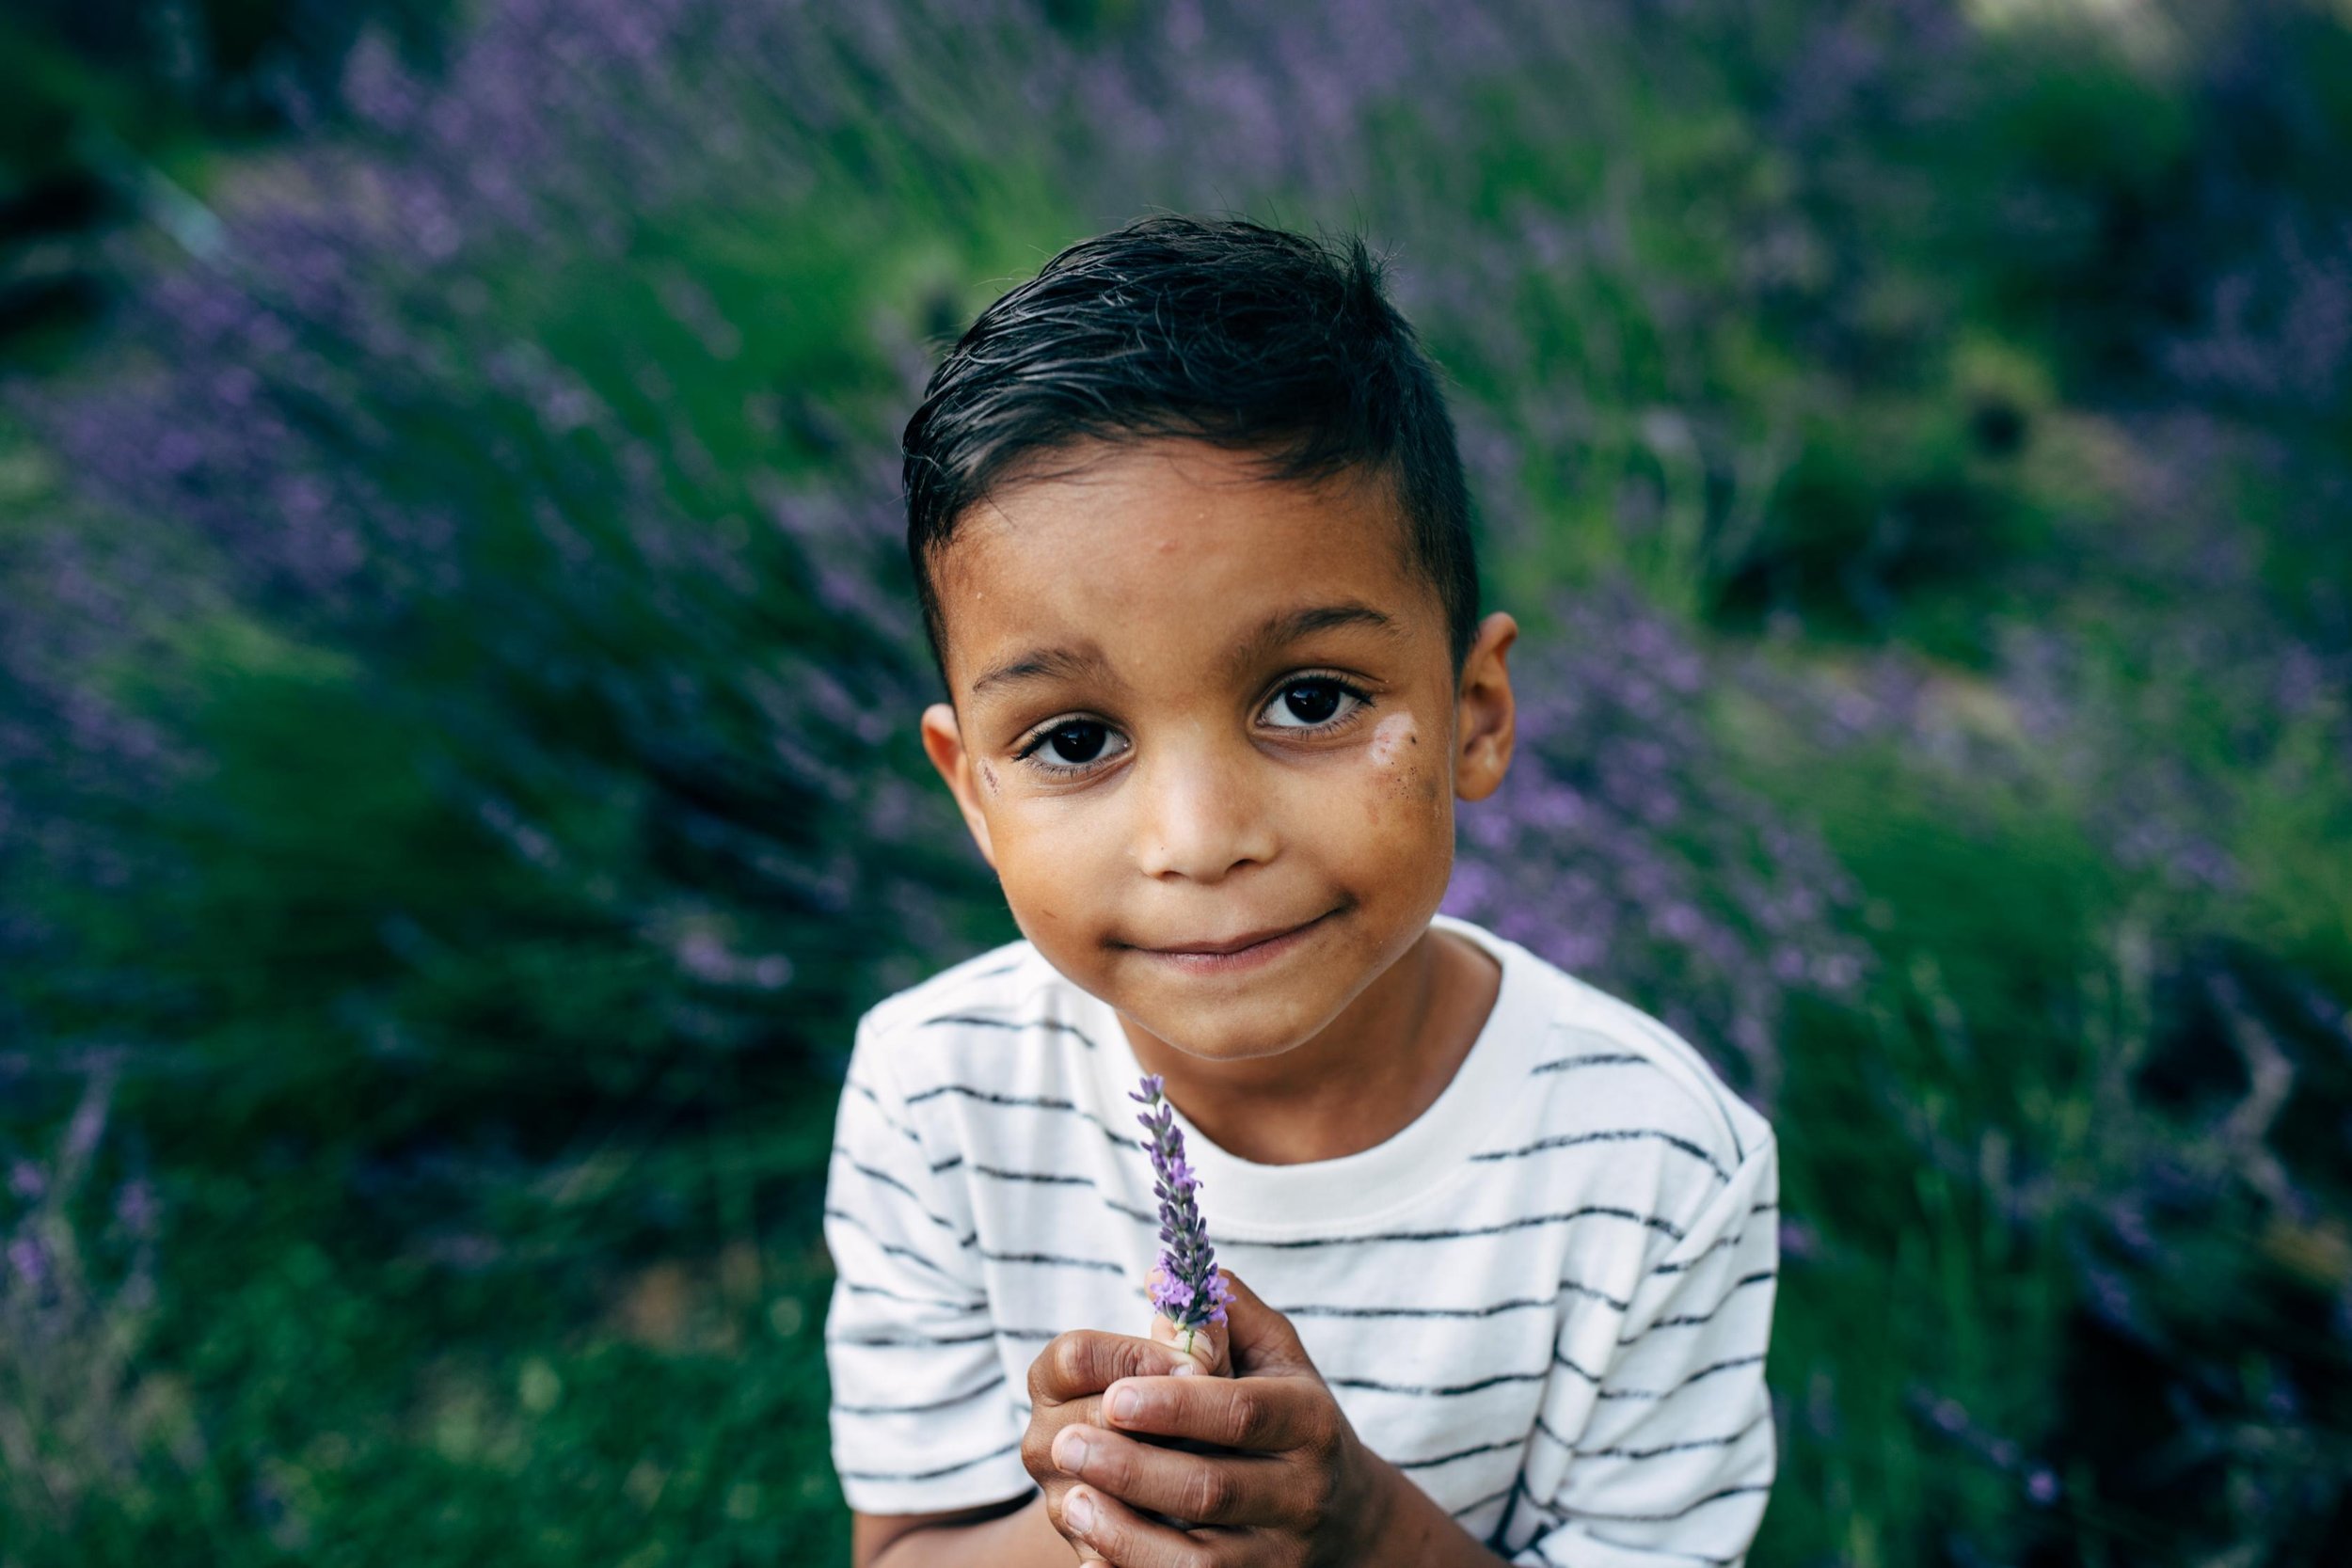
(1044, 664)
(1289, 626)
(1274, 631)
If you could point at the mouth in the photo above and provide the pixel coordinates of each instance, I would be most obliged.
(1244, 951)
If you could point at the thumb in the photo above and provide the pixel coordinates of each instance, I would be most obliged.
(1262, 1340)
(1210, 1352)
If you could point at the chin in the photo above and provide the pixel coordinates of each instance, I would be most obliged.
(1230, 1035)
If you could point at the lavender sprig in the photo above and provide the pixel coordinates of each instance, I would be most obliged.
(1186, 1287)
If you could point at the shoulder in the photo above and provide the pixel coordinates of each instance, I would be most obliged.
(1670, 1078)
(966, 1020)
(1624, 1099)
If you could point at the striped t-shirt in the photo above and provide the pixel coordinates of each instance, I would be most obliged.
(1547, 1300)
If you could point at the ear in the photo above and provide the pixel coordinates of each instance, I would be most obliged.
(942, 742)
(1484, 719)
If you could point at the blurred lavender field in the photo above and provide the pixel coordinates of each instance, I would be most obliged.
(456, 692)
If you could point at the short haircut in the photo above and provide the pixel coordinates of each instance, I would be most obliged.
(1216, 329)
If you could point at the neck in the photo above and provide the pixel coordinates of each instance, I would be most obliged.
(1365, 1077)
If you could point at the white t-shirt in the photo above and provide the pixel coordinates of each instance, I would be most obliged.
(1547, 1300)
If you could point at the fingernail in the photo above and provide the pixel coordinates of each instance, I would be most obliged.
(1122, 1404)
(1069, 1450)
(1077, 1512)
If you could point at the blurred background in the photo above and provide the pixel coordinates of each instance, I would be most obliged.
(457, 777)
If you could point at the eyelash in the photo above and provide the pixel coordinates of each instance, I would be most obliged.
(1068, 770)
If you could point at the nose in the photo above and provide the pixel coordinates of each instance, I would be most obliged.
(1198, 818)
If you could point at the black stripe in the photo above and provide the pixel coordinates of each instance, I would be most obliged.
(931, 1474)
(1436, 1460)
(1718, 1243)
(911, 1342)
(1569, 1140)
(1595, 1058)
(1715, 1090)
(988, 1387)
(856, 1289)
(1545, 1426)
(1745, 1281)
(1652, 1222)
(1498, 1539)
(1469, 1509)
(1764, 1208)
(1041, 1102)
(1441, 1391)
(1676, 1447)
(1014, 1024)
(1661, 1393)
(889, 1181)
(1055, 1178)
(1661, 1518)
(883, 1110)
(1033, 1103)
(892, 1248)
(1515, 1304)
(1321, 1311)
(1051, 1177)
(948, 1164)
(1560, 1359)
(1052, 1261)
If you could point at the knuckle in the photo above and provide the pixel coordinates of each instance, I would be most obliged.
(1323, 1437)
(1208, 1494)
(1065, 1361)
(1037, 1450)
(1245, 1415)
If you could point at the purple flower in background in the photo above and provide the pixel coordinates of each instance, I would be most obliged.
(1186, 1287)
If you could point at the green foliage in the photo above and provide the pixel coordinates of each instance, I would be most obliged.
(490, 1179)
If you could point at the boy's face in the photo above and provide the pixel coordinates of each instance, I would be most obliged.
(1196, 708)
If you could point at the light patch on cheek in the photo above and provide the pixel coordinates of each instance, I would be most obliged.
(1391, 738)
(1405, 773)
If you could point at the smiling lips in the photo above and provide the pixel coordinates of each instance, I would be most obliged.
(1239, 952)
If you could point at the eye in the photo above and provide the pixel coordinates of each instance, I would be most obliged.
(1313, 701)
(1070, 746)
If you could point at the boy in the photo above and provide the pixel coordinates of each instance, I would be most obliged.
(1193, 544)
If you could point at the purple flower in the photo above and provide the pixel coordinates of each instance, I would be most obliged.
(1186, 1287)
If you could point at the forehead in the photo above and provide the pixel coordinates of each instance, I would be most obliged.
(1163, 555)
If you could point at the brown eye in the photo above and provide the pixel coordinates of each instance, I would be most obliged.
(1311, 704)
(1077, 743)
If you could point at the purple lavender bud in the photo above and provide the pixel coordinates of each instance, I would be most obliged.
(1187, 1288)
(30, 1261)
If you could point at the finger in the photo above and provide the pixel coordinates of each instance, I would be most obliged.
(1262, 1340)
(1207, 1489)
(1086, 1361)
(1259, 1415)
(1208, 1344)
(1131, 1540)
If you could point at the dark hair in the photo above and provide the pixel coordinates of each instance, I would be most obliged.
(1213, 328)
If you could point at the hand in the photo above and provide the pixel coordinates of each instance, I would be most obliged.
(1066, 1384)
(1286, 1482)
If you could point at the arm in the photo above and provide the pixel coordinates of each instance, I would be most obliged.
(1673, 1452)
(1012, 1534)
(923, 1424)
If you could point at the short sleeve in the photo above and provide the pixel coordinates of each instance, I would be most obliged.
(1677, 1451)
(921, 1418)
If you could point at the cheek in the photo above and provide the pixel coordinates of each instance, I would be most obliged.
(1054, 869)
(1404, 780)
